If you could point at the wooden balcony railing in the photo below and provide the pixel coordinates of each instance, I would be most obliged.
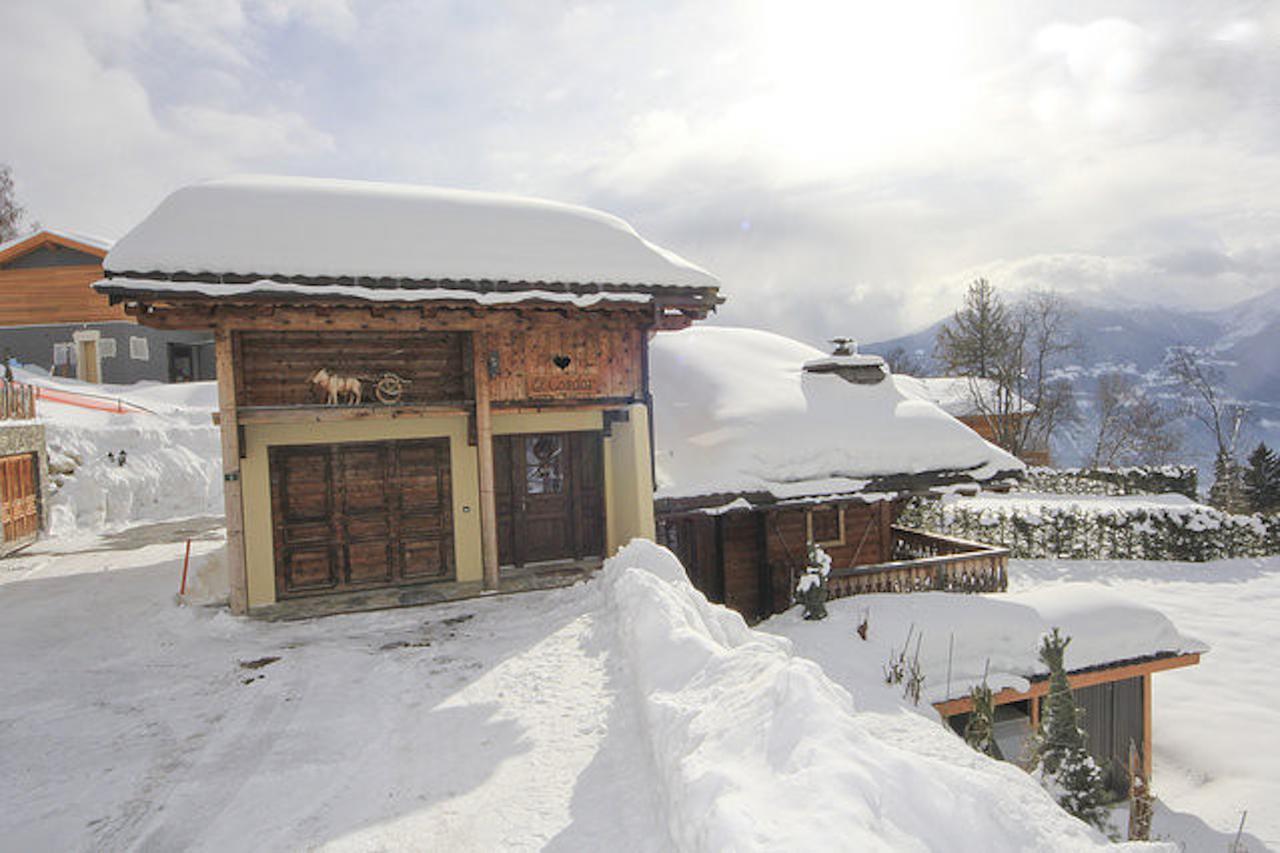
(17, 401)
(927, 561)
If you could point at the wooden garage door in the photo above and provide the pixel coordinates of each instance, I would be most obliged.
(19, 510)
(358, 516)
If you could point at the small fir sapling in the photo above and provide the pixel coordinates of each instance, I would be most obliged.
(1067, 769)
(1261, 483)
(980, 730)
(811, 590)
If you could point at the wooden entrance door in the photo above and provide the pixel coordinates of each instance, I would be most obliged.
(550, 495)
(361, 515)
(19, 509)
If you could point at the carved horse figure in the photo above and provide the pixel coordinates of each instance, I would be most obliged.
(338, 389)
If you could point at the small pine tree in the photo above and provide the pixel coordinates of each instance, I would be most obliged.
(1068, 771)
(980, 731)
(1261, 480)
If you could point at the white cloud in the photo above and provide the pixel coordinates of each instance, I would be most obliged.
(843, 167)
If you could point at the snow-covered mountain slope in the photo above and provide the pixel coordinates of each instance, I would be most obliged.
(1245, 337)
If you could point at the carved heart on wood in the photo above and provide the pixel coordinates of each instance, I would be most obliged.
(561, 361)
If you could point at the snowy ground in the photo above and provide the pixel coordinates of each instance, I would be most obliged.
(1216, 748)
(623, 714)
(1214, 724)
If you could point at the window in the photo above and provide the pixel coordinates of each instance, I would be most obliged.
(826, 525)
(544, 459)
(107, 348)
(139, 350)
(63, 355)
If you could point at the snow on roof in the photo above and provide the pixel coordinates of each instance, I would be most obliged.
(997, 633)
(102, 243)
(324, 228)
(372, 294)
(958, 395)
(736, 413)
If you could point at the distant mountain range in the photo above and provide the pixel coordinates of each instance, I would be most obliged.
(1245, 337)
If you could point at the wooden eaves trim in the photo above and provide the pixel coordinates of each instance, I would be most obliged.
(1079, 679)
(46, 238)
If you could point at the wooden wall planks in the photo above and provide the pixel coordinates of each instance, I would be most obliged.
(54, 295)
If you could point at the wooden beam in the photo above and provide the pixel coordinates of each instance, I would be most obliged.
(484, 453)
(409, 316)
(329, 414)
(231, 487)
(1077, 681)
(1147, 739)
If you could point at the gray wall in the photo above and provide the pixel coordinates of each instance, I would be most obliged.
(52, 256)
(34, 345)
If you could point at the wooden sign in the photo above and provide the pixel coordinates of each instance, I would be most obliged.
(563, 385)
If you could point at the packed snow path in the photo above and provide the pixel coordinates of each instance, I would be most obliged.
(131, 723)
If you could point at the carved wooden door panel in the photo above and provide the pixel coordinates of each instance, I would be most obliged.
(550, 496)
(19, 510)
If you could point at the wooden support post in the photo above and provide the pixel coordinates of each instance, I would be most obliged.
(231, 489)
(1146, 728)
(484, 452)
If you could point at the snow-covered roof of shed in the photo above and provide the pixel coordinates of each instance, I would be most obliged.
(735, 413)
(958, 395)
(286, 227)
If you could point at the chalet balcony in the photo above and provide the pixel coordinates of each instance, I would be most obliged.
(927, 561)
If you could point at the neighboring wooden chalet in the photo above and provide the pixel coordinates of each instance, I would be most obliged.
(972, 402)
(423, 393)
(763, 443)
(51, 318)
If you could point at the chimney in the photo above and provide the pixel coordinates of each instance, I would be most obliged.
(846, 362)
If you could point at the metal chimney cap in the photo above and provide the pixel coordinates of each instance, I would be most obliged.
(845, 346)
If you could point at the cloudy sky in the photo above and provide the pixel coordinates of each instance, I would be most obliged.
(843, 167)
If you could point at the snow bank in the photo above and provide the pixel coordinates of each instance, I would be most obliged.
(735, 412)
(757, 749)
(172, 454)
(270, 225)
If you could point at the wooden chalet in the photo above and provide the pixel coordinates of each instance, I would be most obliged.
(50, 318)
(972, 402)
(423, 393)
(764, 444)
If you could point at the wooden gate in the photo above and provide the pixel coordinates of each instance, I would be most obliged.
(19, 508)
(549, 490)
(358, 516)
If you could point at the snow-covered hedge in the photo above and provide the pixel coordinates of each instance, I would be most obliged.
(1146, 480)
(1192, 532)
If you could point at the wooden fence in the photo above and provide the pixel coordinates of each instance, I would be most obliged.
(927, 561)
(17, 401)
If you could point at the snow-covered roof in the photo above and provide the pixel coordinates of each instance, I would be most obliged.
(309, 228)
(736, 413)
(997, 634)
(264, 287)
(101, 243)
(959, 395)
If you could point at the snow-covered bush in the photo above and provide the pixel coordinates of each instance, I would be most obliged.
(1191, 532)
(1143, 480)
(811, 589)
